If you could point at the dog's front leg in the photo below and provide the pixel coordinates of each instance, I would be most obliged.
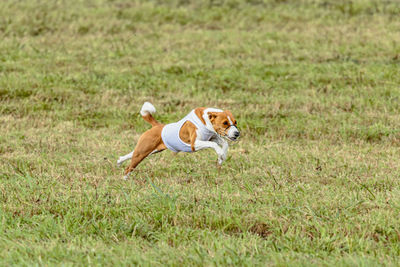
(199, 145)
(224, 144)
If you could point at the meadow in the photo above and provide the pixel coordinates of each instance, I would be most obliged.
(314, 85)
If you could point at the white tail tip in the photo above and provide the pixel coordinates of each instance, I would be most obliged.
(147, 108)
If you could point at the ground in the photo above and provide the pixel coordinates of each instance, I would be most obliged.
(314, 86)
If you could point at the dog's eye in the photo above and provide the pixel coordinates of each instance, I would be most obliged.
(225, 123)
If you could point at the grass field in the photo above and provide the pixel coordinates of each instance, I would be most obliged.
(314, 86)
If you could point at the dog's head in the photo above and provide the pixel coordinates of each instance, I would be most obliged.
(224, 124)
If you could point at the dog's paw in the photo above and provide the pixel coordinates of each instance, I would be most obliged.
(126, 177)
(224, 156)
(120, 161)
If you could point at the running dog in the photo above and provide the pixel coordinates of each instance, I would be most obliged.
(201, 128)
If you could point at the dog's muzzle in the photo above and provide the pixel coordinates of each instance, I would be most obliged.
(233, 133)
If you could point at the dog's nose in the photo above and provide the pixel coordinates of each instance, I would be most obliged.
(236, 134)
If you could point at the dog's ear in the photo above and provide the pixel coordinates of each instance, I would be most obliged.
(212, 115)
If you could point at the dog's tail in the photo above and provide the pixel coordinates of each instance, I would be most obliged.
(146, 111)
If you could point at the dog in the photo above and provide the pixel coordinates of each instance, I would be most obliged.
(202, 128)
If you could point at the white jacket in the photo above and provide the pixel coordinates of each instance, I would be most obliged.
(170, 133)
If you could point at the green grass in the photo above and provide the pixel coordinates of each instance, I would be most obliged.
(314, 86)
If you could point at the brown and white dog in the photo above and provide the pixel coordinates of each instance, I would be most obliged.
(201, 128)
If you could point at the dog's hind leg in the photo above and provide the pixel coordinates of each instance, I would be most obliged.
(150, 142)
(129, 156)
(124, 158)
